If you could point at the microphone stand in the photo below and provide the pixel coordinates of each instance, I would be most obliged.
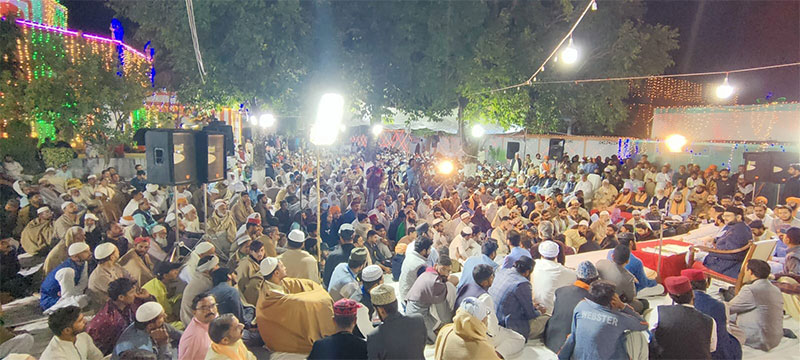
(660, 242)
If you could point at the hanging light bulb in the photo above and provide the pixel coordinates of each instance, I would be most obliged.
(594, 5)
(570, 53)
(725, 90)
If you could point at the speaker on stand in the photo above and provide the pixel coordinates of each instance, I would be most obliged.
(171, 157)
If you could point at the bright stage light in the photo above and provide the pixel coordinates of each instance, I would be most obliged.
(478, 131)
(725, 90)
(253, 120)
(329, 120)
(377, 129)
(445, 167)
(675, 142)
(570, 54)
(266, 120)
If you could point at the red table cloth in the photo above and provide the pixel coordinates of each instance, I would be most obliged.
(671, 265)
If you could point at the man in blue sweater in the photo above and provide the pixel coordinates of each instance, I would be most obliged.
(599, 325)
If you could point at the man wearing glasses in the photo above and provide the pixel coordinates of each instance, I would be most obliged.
(195, 340)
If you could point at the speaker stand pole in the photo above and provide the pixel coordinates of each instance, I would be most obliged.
(755, 186)
(177, 220)
(205, 204)
(319, 214)
(778, 197)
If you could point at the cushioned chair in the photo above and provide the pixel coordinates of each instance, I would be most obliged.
(761, 250)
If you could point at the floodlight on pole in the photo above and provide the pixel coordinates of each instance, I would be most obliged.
(377, 129)
(253, 120)
(329, 119)
(266, 120)
(725, 90)
(445, 167)
(478, 131)
(675, 142)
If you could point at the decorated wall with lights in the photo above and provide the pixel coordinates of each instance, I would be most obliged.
(742, 123)
(46, 12)
(75, 46)
(646, 95)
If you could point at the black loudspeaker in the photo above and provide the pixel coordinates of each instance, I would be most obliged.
(512, 147)
(212, 164)
(227, 130)
(556, 150)
(758, 166)
(171, 157)
(780, 166)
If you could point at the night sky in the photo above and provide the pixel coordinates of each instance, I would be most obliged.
(714, 36)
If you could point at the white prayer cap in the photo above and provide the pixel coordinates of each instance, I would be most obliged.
(104, 250)
(268, 265)
(475, 308)
(65, 204)
(209, 264)
(371, 273)
(467, 230)
(93, 176)
(49, 170)
(241, 239)
(214, 191)
(297, 236)
(203, 247)
(636, 212)
(346, 226)
(548, 249)
(604, 213)
(157, 229)
(77, 248)
(238, 187)
(126, 221)
(188, 208)
(583, 223)
(151, 187)
(90, 216)
(42, 209)
(170, 217)
(437, 221)
(148, 311)
(465, 215)
(218, 203)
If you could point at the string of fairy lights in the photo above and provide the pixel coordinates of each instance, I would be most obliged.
(569, 54)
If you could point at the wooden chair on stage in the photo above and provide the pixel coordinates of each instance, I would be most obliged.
(760, 250)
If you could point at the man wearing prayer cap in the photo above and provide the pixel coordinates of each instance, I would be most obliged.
(398, 336)
(344, 280)
(286, 323)
(138, 262)
(467, 336)
(202, 249)
(149, 332)
(66, 284)
(681, 331)
(566, 298)
(340, 253)
(222, 228)
(107, 270)
(463, 247)
(200, 283)
(728, 346)
(299, 263)
(343, 344)
(37, 236)
(549, 275)
(156, 199)
(190, 219)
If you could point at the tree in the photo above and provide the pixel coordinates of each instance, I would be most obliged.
(254, 52)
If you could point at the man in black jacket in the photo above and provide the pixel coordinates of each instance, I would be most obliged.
(343, 344)
(680, 331)
(340, 253)
(559, 325)
(792, 188)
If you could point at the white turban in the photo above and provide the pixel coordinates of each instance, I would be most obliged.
(188, 208)
(475, 308)
(42, 209)
(203, 247)
(151, 187)
(548, 249)
(65, 204)
(90, 216)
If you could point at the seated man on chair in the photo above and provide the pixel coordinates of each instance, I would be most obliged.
(734, 235)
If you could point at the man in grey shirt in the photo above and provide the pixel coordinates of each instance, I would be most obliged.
(624, 282)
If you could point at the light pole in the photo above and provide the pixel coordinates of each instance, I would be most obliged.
(323, 133)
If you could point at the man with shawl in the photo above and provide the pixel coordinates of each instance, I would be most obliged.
(292, 313)
(138, 262)
(242, 207)
(58, 254)
(37, 237)
(221, 226)
(107, 271)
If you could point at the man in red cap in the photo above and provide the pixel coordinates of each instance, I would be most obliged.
(728, 347)
(343, 344)
(680, 331)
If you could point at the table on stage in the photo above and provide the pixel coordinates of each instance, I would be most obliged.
(673, 256)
